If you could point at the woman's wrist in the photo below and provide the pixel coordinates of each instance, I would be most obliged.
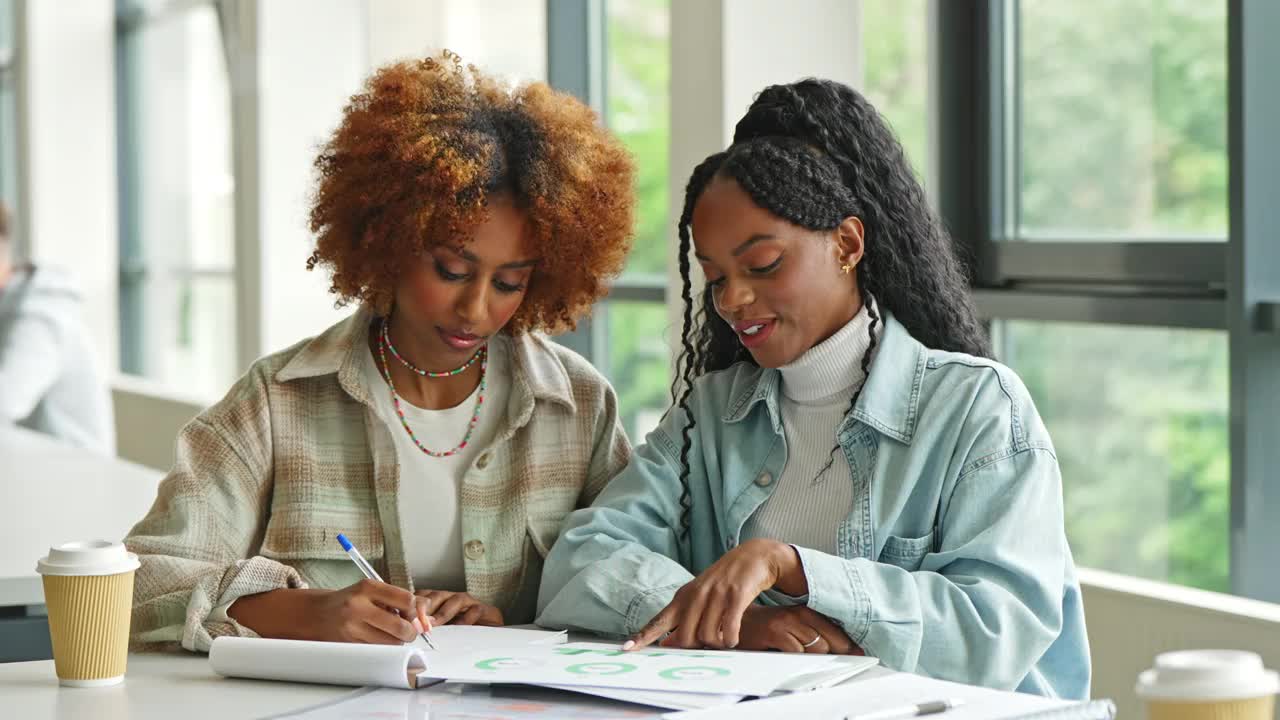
(279, 613)
(789, 570)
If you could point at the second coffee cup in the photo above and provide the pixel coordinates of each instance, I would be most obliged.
(1209, 685)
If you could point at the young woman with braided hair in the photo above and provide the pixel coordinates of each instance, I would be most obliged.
(846, 470)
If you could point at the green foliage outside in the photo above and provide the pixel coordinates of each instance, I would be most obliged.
(1124, 118)
(1139, 420)
(896, 68)
(638, 83)
(1123, 135)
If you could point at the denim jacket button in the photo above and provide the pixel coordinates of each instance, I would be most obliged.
(764, 480)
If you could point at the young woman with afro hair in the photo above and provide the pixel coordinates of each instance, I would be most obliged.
(437, 427)
(846, 470)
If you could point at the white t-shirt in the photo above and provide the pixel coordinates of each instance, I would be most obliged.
(430, 518)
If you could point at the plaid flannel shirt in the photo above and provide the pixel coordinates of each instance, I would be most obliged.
(296, 453)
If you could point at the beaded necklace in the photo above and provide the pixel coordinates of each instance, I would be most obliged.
(386, 335)
(384, 343)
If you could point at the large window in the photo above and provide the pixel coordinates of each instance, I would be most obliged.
(627, 334)
(177, 287)
(1093, 192)
(1126, 141)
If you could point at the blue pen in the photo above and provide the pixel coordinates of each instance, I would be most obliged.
(372, 574)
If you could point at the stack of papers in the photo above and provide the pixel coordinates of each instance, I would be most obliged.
(674, 679)
(872, 696)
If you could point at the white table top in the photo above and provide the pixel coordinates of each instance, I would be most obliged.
(164, 686)
(160, 686)
(54, 493)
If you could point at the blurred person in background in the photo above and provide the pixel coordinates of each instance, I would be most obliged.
(50, 380)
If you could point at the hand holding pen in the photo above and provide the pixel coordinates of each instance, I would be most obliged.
(371, 575)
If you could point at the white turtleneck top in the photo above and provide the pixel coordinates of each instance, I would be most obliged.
(808, 504)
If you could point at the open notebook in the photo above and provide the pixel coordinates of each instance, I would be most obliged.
(674, 679)
(331, 663)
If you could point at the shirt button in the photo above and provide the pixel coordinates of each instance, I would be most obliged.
(728, 541)
(483, 462)
(474, 550)
(764, 480)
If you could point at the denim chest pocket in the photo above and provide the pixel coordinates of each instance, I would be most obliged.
(907, 552)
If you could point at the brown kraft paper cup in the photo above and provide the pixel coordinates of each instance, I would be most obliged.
(1259, 708)
(89, 626)
(1209, 685)
(88, 590)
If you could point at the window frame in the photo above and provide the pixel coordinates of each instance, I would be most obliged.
(577, 50)
(1232, 286)
(237, 22)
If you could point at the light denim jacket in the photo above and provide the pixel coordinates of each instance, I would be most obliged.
(953, 562)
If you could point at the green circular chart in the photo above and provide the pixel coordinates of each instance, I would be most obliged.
(504, 663)
(693, 673)
(601, 668)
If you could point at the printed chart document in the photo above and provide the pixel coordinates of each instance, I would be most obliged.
(838, 671)
(604, 665)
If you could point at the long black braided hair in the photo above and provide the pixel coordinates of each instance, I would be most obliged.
(814, 153)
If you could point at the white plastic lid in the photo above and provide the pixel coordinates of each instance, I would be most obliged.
(1207, 675)
(90, 557)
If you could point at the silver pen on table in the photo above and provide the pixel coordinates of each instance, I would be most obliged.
(372, 574)
(932, 707)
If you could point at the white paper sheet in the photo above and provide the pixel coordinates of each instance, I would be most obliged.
(881, 693)
(316, 662)
(605, 665)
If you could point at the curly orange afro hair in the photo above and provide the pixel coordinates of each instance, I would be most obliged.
(422, 148)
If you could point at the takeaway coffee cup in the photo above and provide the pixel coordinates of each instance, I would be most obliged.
(1209, 685)
(88, 589)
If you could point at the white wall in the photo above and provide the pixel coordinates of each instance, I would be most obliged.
(313, 55)
(148, 423)
(767, 42)
(400, 29)
(69, 112)
(506, 37)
